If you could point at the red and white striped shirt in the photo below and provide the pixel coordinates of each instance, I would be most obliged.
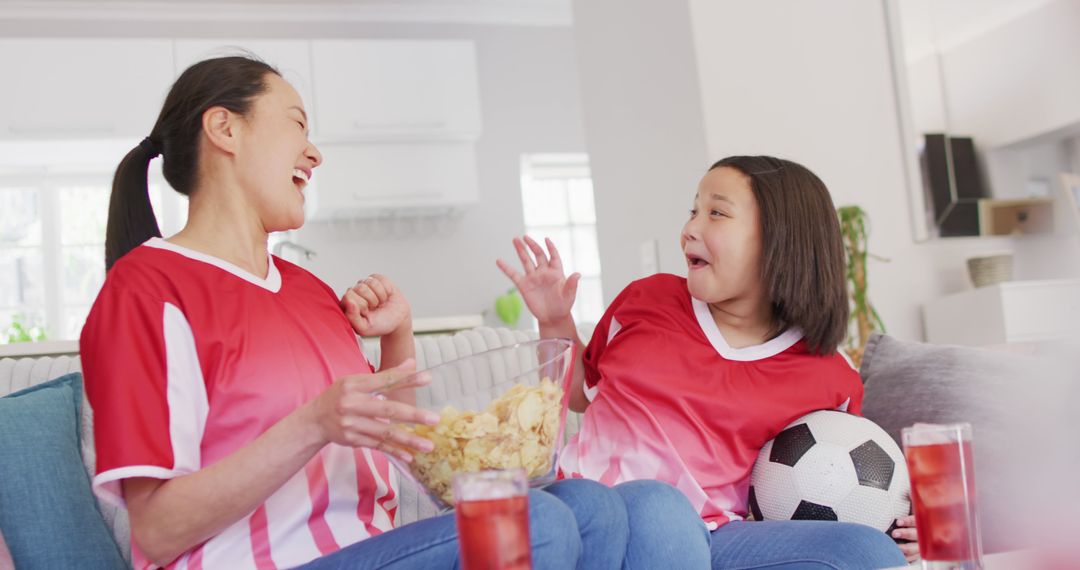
(188, 358)
(670, 400)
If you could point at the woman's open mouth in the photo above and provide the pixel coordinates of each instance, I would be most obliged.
(300, 178)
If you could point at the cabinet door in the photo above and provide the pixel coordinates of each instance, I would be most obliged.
(355, 179)
(387, 89)
(291, 57)
(85, 88)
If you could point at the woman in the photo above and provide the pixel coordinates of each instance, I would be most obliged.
(235, 416)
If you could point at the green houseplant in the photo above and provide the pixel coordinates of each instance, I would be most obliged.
(21, 331)
(864, 318)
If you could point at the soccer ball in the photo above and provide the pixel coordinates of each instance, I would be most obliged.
(832, 466)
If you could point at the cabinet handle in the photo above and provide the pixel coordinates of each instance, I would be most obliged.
(16, 129)
(419, 125)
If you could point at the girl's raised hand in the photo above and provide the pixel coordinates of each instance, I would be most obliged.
(547, 292)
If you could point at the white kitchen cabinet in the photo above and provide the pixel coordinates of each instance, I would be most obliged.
(291, 57)
(1010, 312)
(362, 179)
(82, 88)
(396, 90)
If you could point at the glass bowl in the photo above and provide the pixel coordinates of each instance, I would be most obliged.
(500, 409)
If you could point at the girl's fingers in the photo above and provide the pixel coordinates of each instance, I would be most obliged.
(527, 262)
(510, 273)
(556, 260)
(910, 551)
(908, 521)
(570, 287)
(905, 534)
(541, 257)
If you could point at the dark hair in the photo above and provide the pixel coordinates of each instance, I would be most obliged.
(802, 249)
(230, 82)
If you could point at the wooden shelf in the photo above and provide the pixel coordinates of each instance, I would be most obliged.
(1012, 217)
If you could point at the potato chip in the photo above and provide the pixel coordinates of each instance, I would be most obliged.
(518, 429)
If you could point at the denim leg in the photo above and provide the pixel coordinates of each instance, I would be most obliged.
(803, 545)
(601, 518)
(665, 530)
(553, 533)
(431, 544)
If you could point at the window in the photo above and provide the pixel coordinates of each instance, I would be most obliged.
(557, 199)
(52, 247)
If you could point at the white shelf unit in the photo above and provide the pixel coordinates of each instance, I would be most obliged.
(1010, 312)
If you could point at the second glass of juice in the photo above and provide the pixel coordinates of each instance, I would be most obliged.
(940, 462)
(492, 510)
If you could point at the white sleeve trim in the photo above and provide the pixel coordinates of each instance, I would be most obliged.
(590, 393)
(107, 484)
(188, 402)
(188, 407)
(613, 329)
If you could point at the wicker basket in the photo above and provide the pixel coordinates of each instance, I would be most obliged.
(990, 269)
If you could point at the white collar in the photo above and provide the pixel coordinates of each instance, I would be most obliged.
(770, 348)
(271, 283)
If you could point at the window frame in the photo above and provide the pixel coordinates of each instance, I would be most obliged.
(48, 182)
(565, 168)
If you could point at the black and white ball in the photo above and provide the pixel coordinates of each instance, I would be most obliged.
(831, 465)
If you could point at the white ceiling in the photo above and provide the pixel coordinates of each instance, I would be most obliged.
(526, 12)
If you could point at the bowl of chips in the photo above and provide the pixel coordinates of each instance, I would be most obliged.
(500, 409)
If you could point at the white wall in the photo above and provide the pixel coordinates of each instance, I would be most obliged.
(529, 98)
(1019, 80)
(530, 104)
(642, 115)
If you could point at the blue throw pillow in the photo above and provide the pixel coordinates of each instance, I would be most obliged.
(48, 515)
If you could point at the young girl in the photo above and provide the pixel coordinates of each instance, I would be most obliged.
(685, 379)
(235, 416)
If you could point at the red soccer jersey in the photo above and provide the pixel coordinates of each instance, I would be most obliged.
(672, 401)
(188, 358)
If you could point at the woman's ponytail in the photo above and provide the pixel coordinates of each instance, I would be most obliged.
(131, 216)
(231, 82)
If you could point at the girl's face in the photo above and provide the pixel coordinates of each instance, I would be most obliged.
(275, 157)
(722, 239)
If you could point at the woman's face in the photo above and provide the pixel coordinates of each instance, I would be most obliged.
(275, 157)
(722, 239)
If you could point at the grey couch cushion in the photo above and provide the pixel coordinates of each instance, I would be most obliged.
(996, 392)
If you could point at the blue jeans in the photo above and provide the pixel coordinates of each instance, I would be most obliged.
(572, 524)
(803, 545)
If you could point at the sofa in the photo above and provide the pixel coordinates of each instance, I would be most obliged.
(905, 383)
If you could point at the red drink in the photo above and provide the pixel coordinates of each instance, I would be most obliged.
(493, 520)
(494, 534)
(941, 466)
(941, 500)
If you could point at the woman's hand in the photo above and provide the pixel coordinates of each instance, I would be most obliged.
(376, 307)
(907, 537)
(353, 412)
(547, 292)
